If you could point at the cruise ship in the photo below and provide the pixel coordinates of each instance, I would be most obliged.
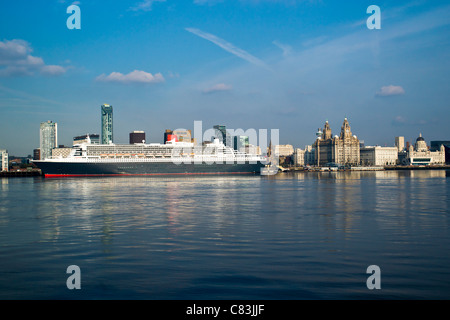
(171, 158)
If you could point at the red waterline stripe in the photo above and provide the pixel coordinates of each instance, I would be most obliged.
(138, 174)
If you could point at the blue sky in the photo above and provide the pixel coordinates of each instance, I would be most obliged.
(262, 64)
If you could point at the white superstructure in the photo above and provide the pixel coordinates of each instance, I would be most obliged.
(175, 152)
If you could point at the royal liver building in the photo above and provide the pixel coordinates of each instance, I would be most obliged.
(342, 149)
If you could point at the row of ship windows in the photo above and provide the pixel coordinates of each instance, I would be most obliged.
(127, 155)
(165, 151)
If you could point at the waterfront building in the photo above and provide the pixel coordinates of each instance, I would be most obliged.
(137, 137)
(251, 149)
(402, 156)
(284, 150)
(48, 138)
(436, 145)
(299, 157)
(420, 154)
(361, 144)
(37, 154)
(240, 142)
(304, 157)
(379, 156)
(183, 135)
(87, 138)
(343, 149)
(107, 123)
(178, 135)
(285, 154)
(222, 134)
(4, 158)
(400, 143)
(310, 153)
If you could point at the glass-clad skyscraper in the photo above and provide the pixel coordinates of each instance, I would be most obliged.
(107, 124)
(240, 142)
(48, 138)
(222, 134)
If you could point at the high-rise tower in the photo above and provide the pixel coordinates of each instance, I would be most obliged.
(107, 124)
(222, 134)
(400, 143)
(48, 136)
(137, 137)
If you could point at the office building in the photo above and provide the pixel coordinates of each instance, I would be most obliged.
(304, 157)
(107, 124)
(310, 153)
(250, 149)
(183, 135)
(285, 153)
(420, 154)
(361, 144)
(4, 159)
(299, 157)
(400, 143)
(222, 134)
(178, 135)
(37, 154)
(342, 149)
(436, 146)
(284, 150)
(48, 139)
(379, 156)
(240, 142)
(87, 138)
(137, 137)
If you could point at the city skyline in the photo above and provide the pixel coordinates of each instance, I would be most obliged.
(230, 138)
(286, 65)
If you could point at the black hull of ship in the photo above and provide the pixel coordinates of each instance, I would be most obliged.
(78, 169)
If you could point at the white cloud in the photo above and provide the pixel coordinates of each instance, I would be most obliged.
(208, 2)
(227, 46)
(390, 91)
(135, 76)
(53, 70)
(218, 87)
(285, 2)
(287, 49)
(145, 5)
(16, 60)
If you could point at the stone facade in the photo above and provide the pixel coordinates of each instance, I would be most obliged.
(299, 157)
(421, 155)
(343, 149)
(379, 156)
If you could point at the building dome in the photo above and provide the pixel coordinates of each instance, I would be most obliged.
(420, 139)
(421, 145)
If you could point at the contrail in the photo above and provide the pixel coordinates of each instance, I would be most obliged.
(228, 47)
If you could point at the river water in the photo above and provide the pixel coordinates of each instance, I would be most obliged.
(305, 235)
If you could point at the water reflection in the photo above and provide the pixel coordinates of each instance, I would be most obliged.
(290, 229)
(107, 205)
